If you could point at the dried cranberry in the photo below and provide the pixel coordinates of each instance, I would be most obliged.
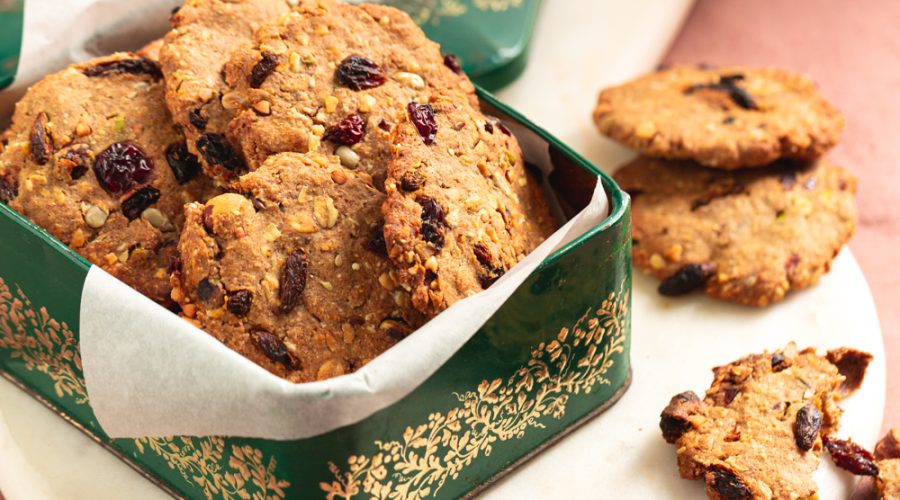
(196, 119)
(122, 166)
(184, 164)
(239, 302)
(851, 457)
(383, 125)
(791, 263)
(376, 241)
(686, 279)
(422, 116)
(136, 203)
(452, 62)
(262, 69)
(499, 124)
(40, 141)
(727, 484)
(674, 419)
(292, 281)
(348, 131)
(274, 349)
(432, 221)
(728, 83)
(412, 181)
(852, 364)
(216, 150)
(806, 426)
(8, 188)
(75, 160)
(359, 73)
(137, 66)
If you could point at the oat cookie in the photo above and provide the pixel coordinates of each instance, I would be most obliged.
(461, 208)
(746, 236)
(727, 117)
(204, 34)
(293, 274)
(334, 78)
(888, 454)
(758, 431)
(151, 50)
(94, 158)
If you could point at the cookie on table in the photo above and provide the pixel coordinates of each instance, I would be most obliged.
(293, 273)
(204, 34)
(94, 158)
(728, 117)
(334, 78)
(758, 431)
(888, 454)
(461, 208)
(746, 236)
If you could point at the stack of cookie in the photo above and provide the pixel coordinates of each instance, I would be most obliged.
(307, 181)
(731, 194)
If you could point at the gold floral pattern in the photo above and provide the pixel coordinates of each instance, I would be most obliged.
(431, 11)
(43, 343)
(427, 455)
(243, 473)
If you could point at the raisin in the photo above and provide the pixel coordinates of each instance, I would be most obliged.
(852, 364)
(778, 362)
(196, 119)
(412, 181)
(452, 62)
(239, 302)
(359, 73)
(728, 120)
(499, 124)
(75, 161)
(348, 131)
(422, 116)
(137, 66)
(274, 349)
(728, 394)
(175, 265)
(491, 273)
(728, 83)
(727, 484)
(262, 69)
(136, 203)
(210, 292)
(432, 221)
(122, 166)
(216, 150)
(488, 127)
(486, 279)
(184, 164)
(851, 457)
(482, 253)
(396, 329)
(292, 281)
(674, 419)
(258, 205)
(686, 279)
(376, 241)
(806, 427)
(40, 141)
(8, 188)
(383, 125)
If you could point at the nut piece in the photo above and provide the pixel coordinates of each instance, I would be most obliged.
(157, 219)
(325, 211)
(94, 216)
(410, 79)
(348, 157)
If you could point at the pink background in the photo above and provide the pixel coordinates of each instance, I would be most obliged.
(852, 50)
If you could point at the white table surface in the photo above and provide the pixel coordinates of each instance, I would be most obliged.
(675, 342)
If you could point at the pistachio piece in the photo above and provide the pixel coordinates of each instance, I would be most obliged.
(94, 216)
(157, 219)
(348, 157)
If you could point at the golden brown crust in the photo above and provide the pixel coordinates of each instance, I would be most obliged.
(336, 312)
(462, 211)
(687, 113)
(760, 232)
(758, 431)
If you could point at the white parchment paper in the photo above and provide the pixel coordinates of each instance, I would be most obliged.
(150, 373)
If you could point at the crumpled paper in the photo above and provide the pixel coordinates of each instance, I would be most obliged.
(150, 373)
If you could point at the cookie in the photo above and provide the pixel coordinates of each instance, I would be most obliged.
(888, 454)
(204, 34)
(758, 431)
(293, 274)
(151, 50)
(747, 236)
(334, 78)
(461, 209)
(727, 117)
(93, 158)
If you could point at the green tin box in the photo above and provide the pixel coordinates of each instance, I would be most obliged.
(554, 355)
